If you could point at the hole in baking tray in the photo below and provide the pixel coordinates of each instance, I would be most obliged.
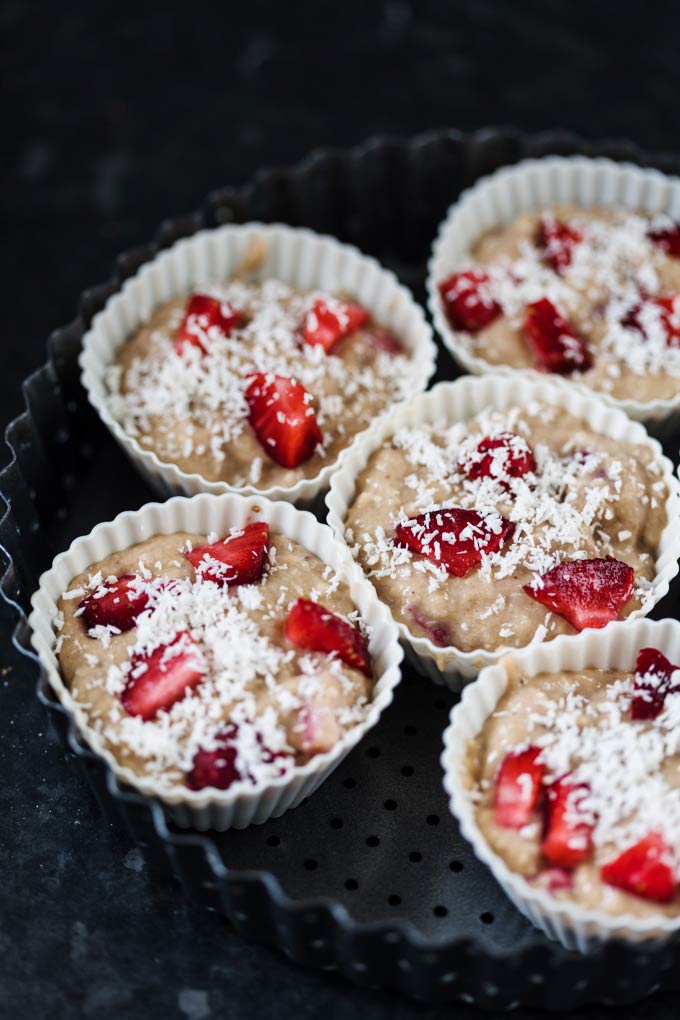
(432, 819)
(373, 752)
(410, 731)
(351, 884)
(415, 856)
(456, 866)
(390, 805)
(486, 917)
(305, 800)
(273, 841)
(372, 841)
(407, 770)
(335, 823)
(349, 783)
(439, 911)
(394, 899)
(311, 864)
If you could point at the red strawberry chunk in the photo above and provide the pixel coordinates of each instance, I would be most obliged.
(437, 632)
(216, 767)
(667, 238)
(503, 456)
(557, 240)
(656, 317)
(236, 559)
(518, 787)
(647, 869)
(330, 320)
(556, 346)
(455, 538)
(203, 314)
(586, 593)
(283, 418)
(653, 681)
(568, 839)
(115, 603)
(468, 300)
(157, 680)
(384, 340)
(311, 626)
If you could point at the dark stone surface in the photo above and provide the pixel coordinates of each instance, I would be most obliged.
(117, 118)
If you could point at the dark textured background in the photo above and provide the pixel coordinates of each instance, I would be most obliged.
(114, 119)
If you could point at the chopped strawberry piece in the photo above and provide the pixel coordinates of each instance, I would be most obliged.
(653, 681)
(518, 787)
(330, 320)
(558, 878)
(319, 729)
(555, 344)
(503, 456)
(283, 418)
(468, 301)
(647, 869)
(236, 559)
(569, 838)
(384, 340)
(654, 316)
(557, 240)
(311, 626)
(216, 767)
(455, 538)
(203, 314)
(115, 603)
(156, 681)
(667, 238)
(437, 632)
(586, 593)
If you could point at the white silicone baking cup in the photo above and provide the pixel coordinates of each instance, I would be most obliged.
(615, 647)
(459, 401)
(536, 184)
(298, 257)
(242, 804)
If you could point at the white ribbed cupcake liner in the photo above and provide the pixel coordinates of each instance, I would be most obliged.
(242, 804)
(615, 647)
(460, 401)
(296, 256)
(536, 184)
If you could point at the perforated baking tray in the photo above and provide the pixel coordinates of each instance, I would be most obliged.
(371, 876)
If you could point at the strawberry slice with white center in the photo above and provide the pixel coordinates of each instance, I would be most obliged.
(586, 593)
(648, 869)
(283, 418)
(236, 559)
(115, 603)
(311, 626)
(667, 238)
(568, 840)
(557, 241)
(468, 300)
(456, 539)
(518, 787)
(555, 344)
(203, 315)
(216, 767)
(330, 320)
(157, 680)
(656, 318)
(654, 679)
(501, 457)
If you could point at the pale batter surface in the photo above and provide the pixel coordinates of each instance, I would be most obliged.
(591, 497)
(582, 720)
(190, 408)
(256, 677)
(611, 268)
